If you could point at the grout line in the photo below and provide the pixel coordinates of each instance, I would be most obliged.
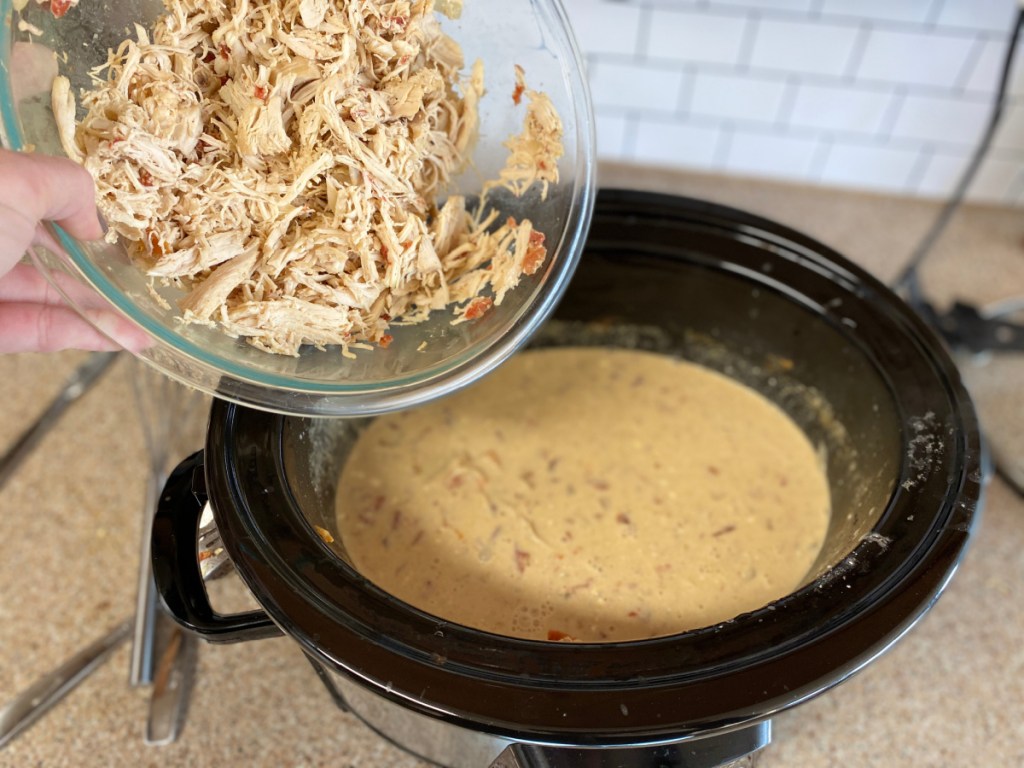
(810, 134)
(767, 73)
(932, 19)
(629, 141)
(788, 101)
(746, 51)
(821, 153)
(860, 45)
(838, 18)
(643, 34)
(892, 112)
(722, 146)
(684, 99)
(967, 68)
(919, 168)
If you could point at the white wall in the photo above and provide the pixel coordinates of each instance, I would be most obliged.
(887, 95)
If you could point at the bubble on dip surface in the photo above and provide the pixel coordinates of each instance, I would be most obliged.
(588, 494)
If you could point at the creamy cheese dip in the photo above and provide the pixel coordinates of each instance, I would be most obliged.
(590, 494)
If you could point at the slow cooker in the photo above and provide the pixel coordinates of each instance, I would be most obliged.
(860, 373)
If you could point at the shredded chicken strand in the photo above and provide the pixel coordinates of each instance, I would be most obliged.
(282, 161)
(534, 153)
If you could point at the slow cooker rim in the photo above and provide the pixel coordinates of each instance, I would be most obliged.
(949, 540)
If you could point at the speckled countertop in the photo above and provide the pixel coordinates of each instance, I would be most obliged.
(950, 693)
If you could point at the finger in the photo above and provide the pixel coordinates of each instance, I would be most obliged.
(50, 188)
(45, 328)
(27, 284)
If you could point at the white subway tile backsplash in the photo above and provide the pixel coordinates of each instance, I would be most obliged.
(922, 58)
(879, 94)
(984, 76)
(737, 97)
(611, 135)
(841, 108)
(635, 86)
(942, 174)
(1010, 134)
(603, 27)
(869, 167)
(675, 144)
(764, 154)
(692, 36)
(998, 179)
(941, 119)
(994, 15)
(803, 46)
(888, 10)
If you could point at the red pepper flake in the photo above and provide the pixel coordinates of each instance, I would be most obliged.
(146, 178)
(535, 253)
(59, 7)
(384, 252)
(261, 92)
(385, 340)
(522, 560)
(632, 614)
(385, 316)
(517, 93)
(557, 636)
(210, 56)
(204, 554)
(724, 530)
(511, 222)
(224, 80)
(478, 307)
(224, 51)
(542, 164)
(623, 518)
(154, 244)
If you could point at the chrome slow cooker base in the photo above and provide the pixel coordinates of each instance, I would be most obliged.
(453, 746)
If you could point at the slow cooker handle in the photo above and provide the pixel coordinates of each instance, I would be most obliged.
(176, 565)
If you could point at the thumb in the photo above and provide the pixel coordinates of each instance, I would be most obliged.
(50, 188)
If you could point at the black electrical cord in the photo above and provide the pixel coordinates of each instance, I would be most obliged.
(907, 283)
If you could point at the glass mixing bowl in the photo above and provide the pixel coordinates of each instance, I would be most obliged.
(534, 34)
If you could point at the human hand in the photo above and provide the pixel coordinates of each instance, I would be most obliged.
(33, 315)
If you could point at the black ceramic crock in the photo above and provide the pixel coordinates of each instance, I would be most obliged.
(858, 370)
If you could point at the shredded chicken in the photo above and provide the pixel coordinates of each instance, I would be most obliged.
(282, 161)
(535, 152)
